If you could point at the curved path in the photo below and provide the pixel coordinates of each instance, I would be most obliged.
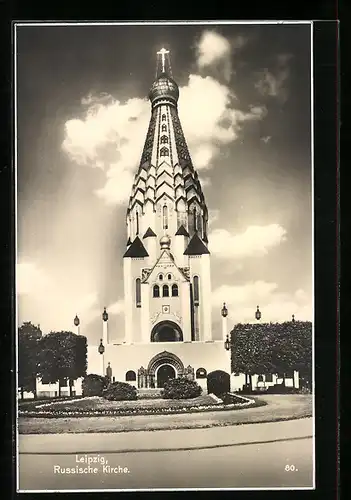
(279, 407)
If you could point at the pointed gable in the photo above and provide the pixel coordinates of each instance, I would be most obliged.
(149, 233)
(136, 249)
(182, 231)
(196, 247)
(165, 263)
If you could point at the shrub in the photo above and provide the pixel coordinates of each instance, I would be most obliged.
(120, 391)
(181, 388)
(218, 382)
(281, 389)
(93, 385)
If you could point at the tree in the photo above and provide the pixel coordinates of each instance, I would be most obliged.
(272, 348)
(62, 357)
(29, 337)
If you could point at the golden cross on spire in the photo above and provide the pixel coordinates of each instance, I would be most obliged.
(163, 53)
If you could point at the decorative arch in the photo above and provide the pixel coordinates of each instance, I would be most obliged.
(164, 139)
(163, 358)
(166, 331)
(130, 376)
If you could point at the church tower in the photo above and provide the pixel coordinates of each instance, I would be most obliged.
(167, 283)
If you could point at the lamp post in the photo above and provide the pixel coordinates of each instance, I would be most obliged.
(224, 312)
(76, 322)
(104, 326)
(258, 314)
(227, 343)
(101, 351)
(293, 318)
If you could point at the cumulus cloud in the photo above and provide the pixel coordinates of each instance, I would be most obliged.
(255, 241)
(211, 47)
(215, 50)
(274, 305)
(111, 134)
(272, 83)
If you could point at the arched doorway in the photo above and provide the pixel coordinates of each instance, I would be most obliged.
(164, 373)
(166, 331)
(158, 361)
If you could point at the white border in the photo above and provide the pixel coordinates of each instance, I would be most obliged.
(166, 23)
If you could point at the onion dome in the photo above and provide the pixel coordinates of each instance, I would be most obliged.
(164, 87)
(165, 242)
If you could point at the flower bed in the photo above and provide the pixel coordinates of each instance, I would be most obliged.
(94, 407)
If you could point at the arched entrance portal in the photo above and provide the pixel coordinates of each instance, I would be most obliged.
(163, 365)
(166, 331)
(164, 373)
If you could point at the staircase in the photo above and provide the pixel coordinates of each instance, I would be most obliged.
(149, 393)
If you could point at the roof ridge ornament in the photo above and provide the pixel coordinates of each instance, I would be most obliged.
(163, 53)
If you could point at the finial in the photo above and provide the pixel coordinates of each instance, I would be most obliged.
(163, 53)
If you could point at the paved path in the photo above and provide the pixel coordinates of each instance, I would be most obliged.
(250, 456)
(278, 407)
(123, 442)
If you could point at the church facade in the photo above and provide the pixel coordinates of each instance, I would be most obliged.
(167, 263)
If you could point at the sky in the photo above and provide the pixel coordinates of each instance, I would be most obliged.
(82, 118)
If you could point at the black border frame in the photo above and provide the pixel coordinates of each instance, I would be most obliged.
(326, 190)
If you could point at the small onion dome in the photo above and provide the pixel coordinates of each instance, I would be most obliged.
(164, 88)
(165, 242)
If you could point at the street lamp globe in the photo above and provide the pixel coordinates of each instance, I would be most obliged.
(227, 343)
(76, 321)
(258, 314)
(104, 315)
(101, 347)
(224, 310)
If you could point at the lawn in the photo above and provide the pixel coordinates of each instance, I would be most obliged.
(99, 403)
(266, 409)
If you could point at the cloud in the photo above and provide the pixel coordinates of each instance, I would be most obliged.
(254, 242)
(211, 48)
(216, 51)
(116, 308)
(29, 276)
(274, 305)
(111, 134)
(273, 83)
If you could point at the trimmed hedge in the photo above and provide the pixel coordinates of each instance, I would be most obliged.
(93, 385)
(120, 391)
(218, 383)
(181, 388)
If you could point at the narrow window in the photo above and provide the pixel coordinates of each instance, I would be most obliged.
(195, 219)
(165, 291)
(164, 128)
(196, 290)
(174, 290)
(164, 151)
(165, 217)
(156, 291)
(160, 277)
(138, 292)
(163, 118)
(169, 276)
(137, 223)
(164, 139)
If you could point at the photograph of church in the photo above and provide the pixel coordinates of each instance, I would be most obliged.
(167, 263)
